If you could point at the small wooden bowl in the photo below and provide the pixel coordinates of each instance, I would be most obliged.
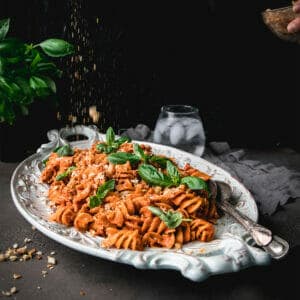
(278, 19)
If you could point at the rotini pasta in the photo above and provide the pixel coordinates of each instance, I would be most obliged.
(112, 200)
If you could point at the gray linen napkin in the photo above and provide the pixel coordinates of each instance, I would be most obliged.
(272, 186)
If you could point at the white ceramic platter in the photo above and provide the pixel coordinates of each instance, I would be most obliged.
(231, 250)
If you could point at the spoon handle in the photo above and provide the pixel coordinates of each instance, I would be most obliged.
(261, 235)
(272, 244)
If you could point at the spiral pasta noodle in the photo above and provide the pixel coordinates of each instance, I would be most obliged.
(123, 216)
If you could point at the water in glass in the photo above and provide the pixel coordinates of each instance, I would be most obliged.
(180, 126)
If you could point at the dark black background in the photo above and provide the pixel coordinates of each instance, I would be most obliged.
(216, 55)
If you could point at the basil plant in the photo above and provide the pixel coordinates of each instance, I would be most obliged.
(26, 72)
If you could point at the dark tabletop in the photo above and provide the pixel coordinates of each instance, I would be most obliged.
(80, 276)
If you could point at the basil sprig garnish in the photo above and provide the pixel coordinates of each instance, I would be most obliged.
(121, 158)
(138, 154)
(112, 144)
(171, 218)
(110, 136)
(65, 174)
(65, 150)
(158, 160)
(161, 161)
(173, 173)
(138, 151)
(102, 192)
(195, 183)
(150, 174)
(154, 177)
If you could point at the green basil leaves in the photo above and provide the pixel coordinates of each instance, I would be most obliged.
(146, 170)
(138, 151)
(173, 173)
(56, 47)
(102, 192)
(171, 218)
(4, 27)
(121, 158)
(65, 150)
(110, 136)
(65, 174)
(111, 144)
(194, 183)
(154, 177)
(44, 162)
(26, 72)
(158, 160)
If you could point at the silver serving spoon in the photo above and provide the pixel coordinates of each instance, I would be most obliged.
(272, 244)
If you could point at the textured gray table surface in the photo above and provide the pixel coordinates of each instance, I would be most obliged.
(100, 279)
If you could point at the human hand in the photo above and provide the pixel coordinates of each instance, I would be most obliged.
(294, 26)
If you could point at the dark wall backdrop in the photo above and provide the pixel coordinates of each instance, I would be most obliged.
(216, 55)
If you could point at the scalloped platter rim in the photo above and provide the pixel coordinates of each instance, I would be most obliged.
(230, 251)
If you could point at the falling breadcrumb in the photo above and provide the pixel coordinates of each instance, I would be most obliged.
(51, 260)
(12, 291)
(17, 276)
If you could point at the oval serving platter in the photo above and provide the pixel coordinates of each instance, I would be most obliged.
(230, 251)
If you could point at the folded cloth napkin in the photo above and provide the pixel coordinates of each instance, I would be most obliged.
(272, 186)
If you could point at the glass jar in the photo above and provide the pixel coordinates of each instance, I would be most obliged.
(180, 126)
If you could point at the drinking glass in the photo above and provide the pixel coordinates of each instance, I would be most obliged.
(180, 126)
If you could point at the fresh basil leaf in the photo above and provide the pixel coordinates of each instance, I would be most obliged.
(56, 47)
(15, 91)
(14, 60)
(102, 192)
(11, 89)
(195, 183)
(44, 162)
(171, 218)
(110, 136)
(156, 211)
(161, 161)
(25, 87)
(106, 187)
(4, 27)
(173, 173)
(117, 143)
(121, 158)
(50, 83)
(94, 201)
(35, 61)
(37, 83)
(48, 68)
(11, 47)
(65, 150)
(45, 66)
(5, 86)
(122, 140)
(111, 144)
(174, 219)
(65, 174)
(102, 148)
(152, 176)
(2, 65)
(138, 151)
